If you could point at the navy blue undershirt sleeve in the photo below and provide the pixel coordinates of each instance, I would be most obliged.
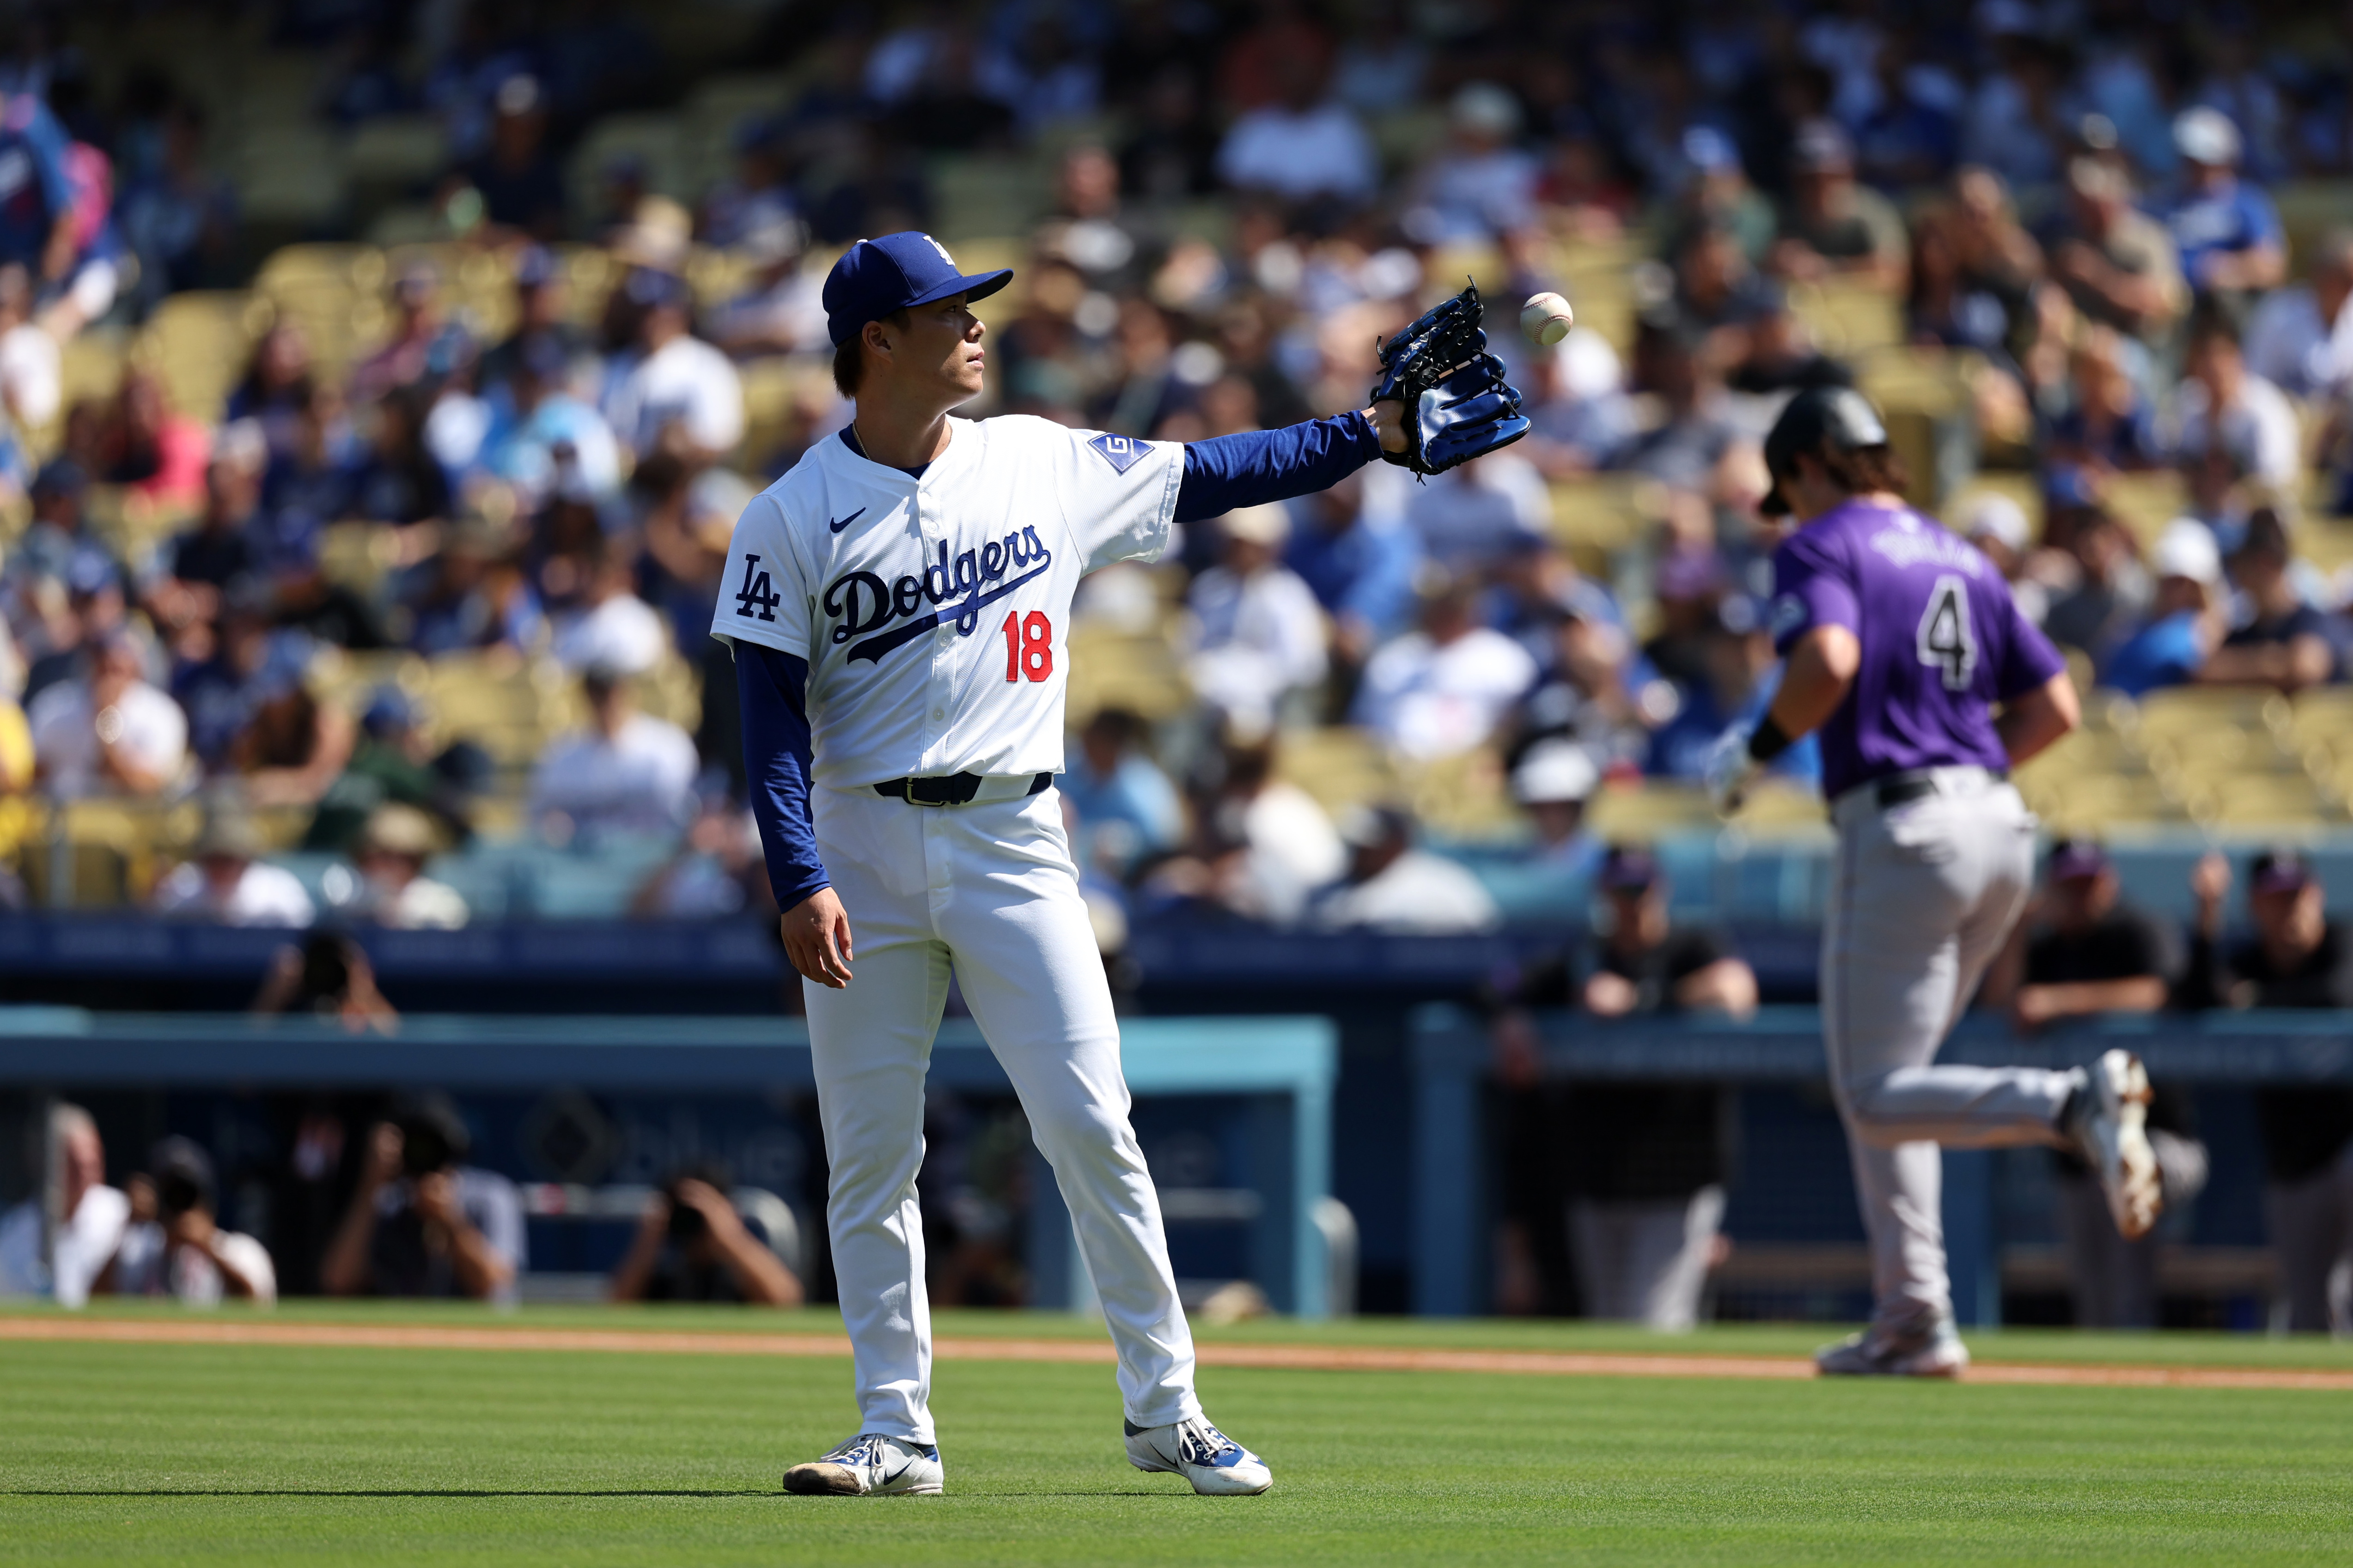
(772, 690)
(1227, 472)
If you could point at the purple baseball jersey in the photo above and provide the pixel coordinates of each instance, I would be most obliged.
(1942, 640)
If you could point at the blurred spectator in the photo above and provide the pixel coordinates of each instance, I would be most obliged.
(1551, 783)
(1393, 887)
(1716, 290)
(542, 313)
(1582, 693)
(226, 880)
(94, 611)
(541, 438)
(1689, 446)
(2118, 266)
(2296, 957)
(1648, 1161)
(691, 1245)
(2186, 619)
(1741, 677)
(178, 216)
(175, 1247)
(2220, 403)
(1478, 187)
(718, 871)
(1997, 525)
(2283, 641)
(672, 385)
(1262, 844)
(399, 481)
(425, 346)
(276, 383)
(2227, 232)
(392, 889)
(1579, 414)
(1128, 812)
(519, 177)
(2113, 590)
(422, 1222)
(1358, 556)
(1833, 225)
(1719, 195)
(1443, 689)
(471, 594)
(201, 562)
(1255, 629)
(244, 665)
(310, 481)
(1302, 145)
(1778, 354)
(779, 309)
(627, 772)
(32, 381)
(2300, 338)
(108, 731)
(758, 197)
(2108, 422)
(293, 747)
(1911, 136)
(92, 1218)
(154, 453)
(327, 977)
(1471, 516)
(393, 764)
(612, 628)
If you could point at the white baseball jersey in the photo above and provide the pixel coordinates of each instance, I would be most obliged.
(934, 612)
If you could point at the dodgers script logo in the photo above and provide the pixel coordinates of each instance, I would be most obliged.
(864, 606)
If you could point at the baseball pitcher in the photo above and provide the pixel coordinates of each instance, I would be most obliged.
(899, 607)
(1904, 650)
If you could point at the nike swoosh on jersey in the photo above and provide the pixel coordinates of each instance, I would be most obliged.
(874, 647)
(845, 522)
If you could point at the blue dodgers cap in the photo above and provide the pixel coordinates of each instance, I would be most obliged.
(876, 277)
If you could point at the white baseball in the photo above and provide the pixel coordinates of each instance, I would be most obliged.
(1546, 319)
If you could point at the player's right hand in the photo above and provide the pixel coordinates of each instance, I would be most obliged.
(817, 938)
(1730, 771)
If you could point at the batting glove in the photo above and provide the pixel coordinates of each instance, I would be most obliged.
(1731, 770)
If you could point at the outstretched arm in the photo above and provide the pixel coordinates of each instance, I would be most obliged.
(1251, 468)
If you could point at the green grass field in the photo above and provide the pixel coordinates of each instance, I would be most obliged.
(159, 1453)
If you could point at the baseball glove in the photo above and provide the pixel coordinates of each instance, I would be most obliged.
(1457, 405)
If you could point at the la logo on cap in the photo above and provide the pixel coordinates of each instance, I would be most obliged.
(942, 249)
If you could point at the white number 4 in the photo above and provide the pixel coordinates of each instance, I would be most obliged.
(1948, 640)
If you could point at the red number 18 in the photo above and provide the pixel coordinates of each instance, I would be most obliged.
(1028, 645)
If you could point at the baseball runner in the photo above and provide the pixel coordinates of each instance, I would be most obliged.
(1903, 647)
(899, 608)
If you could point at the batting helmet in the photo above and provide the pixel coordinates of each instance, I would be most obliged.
(1818, 419)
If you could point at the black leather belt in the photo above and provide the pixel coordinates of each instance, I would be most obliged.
(1904, 787)
(955, 789)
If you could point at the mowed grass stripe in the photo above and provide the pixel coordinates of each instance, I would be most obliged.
(1288, 1357)
(270, 1455)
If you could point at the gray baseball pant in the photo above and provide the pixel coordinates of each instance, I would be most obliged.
(1922, 895)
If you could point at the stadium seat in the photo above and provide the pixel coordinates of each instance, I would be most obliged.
(198, 341)
(1340, 766)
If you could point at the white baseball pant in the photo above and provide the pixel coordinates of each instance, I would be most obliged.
(1922, 895)
(990, 889)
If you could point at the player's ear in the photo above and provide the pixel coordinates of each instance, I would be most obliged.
(872, 333)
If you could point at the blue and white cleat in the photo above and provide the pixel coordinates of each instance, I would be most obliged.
(870, 1465)
(1213, 1462)
(2110, 1128)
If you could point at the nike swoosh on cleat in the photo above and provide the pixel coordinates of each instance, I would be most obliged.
(845, 522)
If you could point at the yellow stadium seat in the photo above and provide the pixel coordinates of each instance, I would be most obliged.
(1647, 811)
(198, 341)
(394, 150)
(1340, 766)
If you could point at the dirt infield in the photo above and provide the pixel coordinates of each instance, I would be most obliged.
(1291, 1358)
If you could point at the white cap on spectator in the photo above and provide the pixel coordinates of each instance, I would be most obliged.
(1588, 367)
(1484, 106)
(1555, 771)
(2186, 549)
(1999, 519)
(2205, 135)
(1269, 525)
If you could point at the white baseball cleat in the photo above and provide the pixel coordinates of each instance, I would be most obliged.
(1213, 1462)
(870, 1465)
(1938, 1352)
(2110, 1125)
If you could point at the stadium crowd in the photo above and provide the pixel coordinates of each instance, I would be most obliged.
(2067, 205)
